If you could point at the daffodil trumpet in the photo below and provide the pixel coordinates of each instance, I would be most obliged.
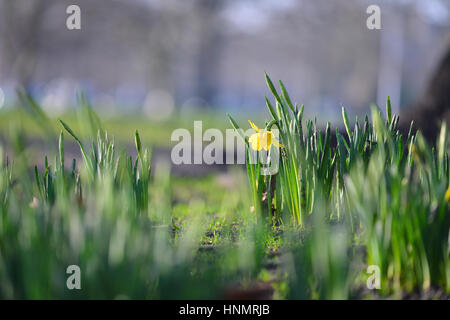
(263, 138)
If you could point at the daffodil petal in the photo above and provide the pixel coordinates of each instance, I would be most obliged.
(277, 144)
(253, 126)
(254, 141)
(256, 145)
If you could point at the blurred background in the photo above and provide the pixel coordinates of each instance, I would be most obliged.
(167, 58)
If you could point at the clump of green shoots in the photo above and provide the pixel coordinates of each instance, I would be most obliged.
(386, 189)
(108, 216)
(403, 212)
(309, 159)
(101, 163)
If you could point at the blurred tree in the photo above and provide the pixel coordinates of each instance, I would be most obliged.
(434, 106)
(210, 45)
(21, 23)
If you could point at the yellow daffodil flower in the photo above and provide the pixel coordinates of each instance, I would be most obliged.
(447, 195)
(262, 139)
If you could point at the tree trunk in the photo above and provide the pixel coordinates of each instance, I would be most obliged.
(433, 107)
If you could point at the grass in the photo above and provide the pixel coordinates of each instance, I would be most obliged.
(309, 231)
(155, 133)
